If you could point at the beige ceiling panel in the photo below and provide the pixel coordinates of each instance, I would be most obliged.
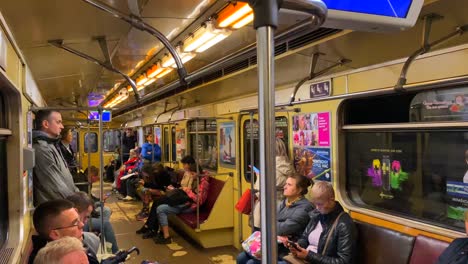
(74, 21)
(175, 9)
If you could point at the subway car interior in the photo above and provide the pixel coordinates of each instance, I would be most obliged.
(366, 98)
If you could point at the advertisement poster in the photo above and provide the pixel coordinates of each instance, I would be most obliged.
(312, 145)
(227, 144)
(441, 105)
(386, 171)
(312, 129)
(180, 143)
(457, 193)
(313, 163)
(457, 189)
(157, 135)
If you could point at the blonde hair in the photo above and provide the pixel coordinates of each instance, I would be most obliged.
(54, 251)
(322, 190)
(281, 150)
(466, 216)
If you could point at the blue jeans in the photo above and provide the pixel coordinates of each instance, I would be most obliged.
(163, 210)
(246, 258)
(108, 233)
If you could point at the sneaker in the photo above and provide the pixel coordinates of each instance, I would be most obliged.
(162, 240)
(142, 216)
(149, 234)
(128, 198)
(142, 230)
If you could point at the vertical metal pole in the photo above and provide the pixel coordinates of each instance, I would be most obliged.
(252, 174)
(266, 107)
(198, 174)
(152, 145)
(89, 157)
(101, 181)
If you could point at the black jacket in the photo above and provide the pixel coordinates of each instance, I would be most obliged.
(68, 155)
(39, 243)
(456, 253)
(342, 246)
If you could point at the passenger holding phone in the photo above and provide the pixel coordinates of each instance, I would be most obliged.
(292, 215)
(330, 237)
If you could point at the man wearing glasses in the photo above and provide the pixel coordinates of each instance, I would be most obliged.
(56, 219)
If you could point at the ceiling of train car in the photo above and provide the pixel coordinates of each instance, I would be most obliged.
(362, 48)
(65, 79)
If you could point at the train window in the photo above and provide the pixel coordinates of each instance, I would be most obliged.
(415, 172)
(165, 156)
(91, 142)
(111, 140)
(3, 192)
(282, 131)
(440, 105)
(173, 144)
(3, 117)
(207, 143)
(75, 142)
(378, 110)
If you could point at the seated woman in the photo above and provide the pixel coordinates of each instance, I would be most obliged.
(292, 214)
(84, 205)
(328, 219)
(457, 251)
(154, 182)
(197, 192)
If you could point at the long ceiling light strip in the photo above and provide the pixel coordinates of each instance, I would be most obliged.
(233, 13)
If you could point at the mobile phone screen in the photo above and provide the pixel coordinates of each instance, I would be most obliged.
(255, 169)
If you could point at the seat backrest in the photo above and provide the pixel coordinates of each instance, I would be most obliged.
(427, 250)
(213, 192)
(381, 245)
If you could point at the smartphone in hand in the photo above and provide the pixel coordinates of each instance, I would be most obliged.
(293, 244)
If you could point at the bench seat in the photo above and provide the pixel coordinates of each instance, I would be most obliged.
(215, 216)
(385, 246)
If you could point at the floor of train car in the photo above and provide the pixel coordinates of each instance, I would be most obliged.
(180, 251)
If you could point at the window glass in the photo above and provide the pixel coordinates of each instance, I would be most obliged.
(165, 140)
(75, 142)
(282, 131)
(91, 142)
(3, 192)
(440, 105)
(3, 117)
(111, 140)
(207, 151)
(418, 174)
(173, 144)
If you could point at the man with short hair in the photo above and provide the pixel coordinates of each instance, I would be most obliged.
(67, 250)
(52, 179)
(54, 220)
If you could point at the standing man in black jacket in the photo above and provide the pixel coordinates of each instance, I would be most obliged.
(129, 140)
(334, 236)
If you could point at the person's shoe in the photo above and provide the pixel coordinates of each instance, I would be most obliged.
(162, 240)
(142, 216)
(128, 198)
(142, 230)
(149, 234)
(120, 197)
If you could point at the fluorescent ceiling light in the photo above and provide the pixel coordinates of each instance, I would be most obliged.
(233, 13)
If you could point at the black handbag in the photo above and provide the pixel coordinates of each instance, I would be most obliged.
(177, 197)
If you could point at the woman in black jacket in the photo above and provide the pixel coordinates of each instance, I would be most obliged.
(330, 237)
(457, 252)
(68, 154)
